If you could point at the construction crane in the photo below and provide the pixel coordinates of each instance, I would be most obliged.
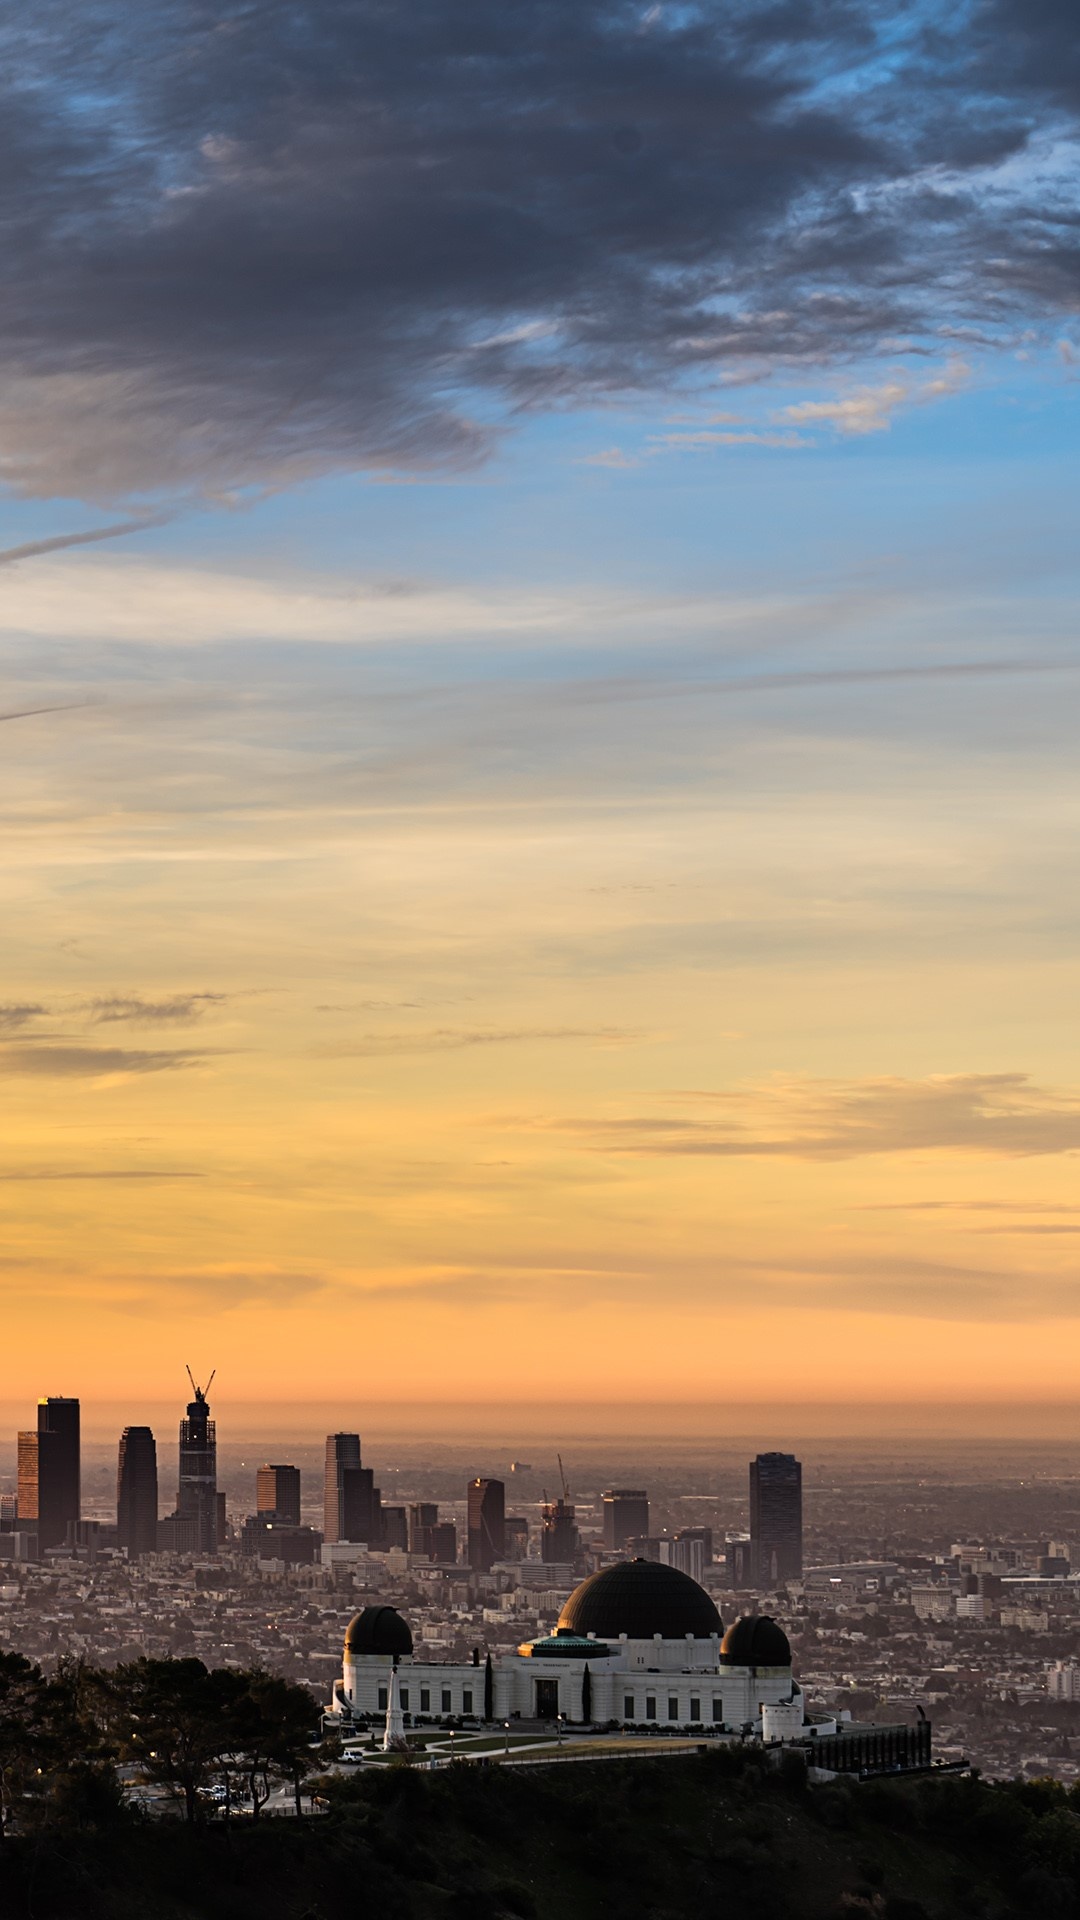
(201, 1392)
(562, 1477)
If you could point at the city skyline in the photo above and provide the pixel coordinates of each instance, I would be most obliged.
(45, 1513)
(539, 767)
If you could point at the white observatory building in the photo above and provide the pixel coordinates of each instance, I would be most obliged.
(638, 1643)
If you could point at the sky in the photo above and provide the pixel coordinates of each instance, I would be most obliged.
(538, 688)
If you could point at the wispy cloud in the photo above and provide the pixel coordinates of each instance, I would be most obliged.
(455, 1039)
(902, 1286)
(216, 1289)
(1000, 1113)
(18, 1015)
(55, 543)
(706, 437)
(99, 1173)
(31, 713)
(872, 409)
(92, 1063)
(962, 1206)
(613, 457)
(174, 1009)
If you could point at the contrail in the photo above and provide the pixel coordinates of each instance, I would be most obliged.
(27, 713)
(9, 555)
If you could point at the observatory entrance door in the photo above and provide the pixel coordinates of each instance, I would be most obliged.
(547, 1699)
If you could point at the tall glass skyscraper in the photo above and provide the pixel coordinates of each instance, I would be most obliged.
(352, 1503)
(277, 1494)
(50, 1473)
(626, 1516)
(487, 1523)
(775, 1518)
(137, 1492)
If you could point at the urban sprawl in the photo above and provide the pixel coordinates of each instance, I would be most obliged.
(434, 1589)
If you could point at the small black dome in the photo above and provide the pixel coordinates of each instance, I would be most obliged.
(641, 1598)
(378, 1630)
(755, 1641)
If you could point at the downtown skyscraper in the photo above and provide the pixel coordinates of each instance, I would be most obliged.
(137, 1493)
(626, 1516)
(196, 1494)
(775, 1518)
(50, 1473)
(486, 1523)
(352, 1503)
(277, 1494)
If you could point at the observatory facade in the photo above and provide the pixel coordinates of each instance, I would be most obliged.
(637, 1643)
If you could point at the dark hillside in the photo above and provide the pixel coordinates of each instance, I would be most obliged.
(655, 1839)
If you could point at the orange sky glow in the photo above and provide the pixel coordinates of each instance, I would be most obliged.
(597, 1087)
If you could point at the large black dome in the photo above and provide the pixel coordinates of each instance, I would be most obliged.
(755, 1641)
(641, 1598)
(378, 1630)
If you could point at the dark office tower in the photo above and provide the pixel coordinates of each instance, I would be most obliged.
(422, 1517)
(137, 1493)
(395, 1527)
(487, 1523)
(516, 1536)
(60, 1420)
(559, 1538)
(196, 1497)
(277, 1494)
(342, 1460)
(626, 1516)
(442, 1543)
(361, 1507)
(49, 1473)
(775, 1518)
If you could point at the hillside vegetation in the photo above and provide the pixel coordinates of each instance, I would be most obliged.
(655, 1839)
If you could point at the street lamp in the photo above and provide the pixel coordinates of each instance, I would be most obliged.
(559, 1724)
(506, 1739)
(452, 1733)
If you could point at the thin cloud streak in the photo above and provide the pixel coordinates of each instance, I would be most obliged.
(101, 1173)
(175, 1009)
(1000, 1114)
(30, 713)
(374, 1046)
(92, 1063)
(15, 1017)
(55, 543)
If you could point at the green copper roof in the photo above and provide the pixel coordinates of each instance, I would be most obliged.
(565, 1646)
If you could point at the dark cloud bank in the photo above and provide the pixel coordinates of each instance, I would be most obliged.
(248, 243)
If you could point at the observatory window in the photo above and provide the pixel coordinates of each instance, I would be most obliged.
(447, 1703)
(405, 1698)
(717, 1709)
(650, 1707)
(672, 1708)
(695, 1709)
(628, 1706)
(425, 1699)
(382, 1699)
(466, 1700)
